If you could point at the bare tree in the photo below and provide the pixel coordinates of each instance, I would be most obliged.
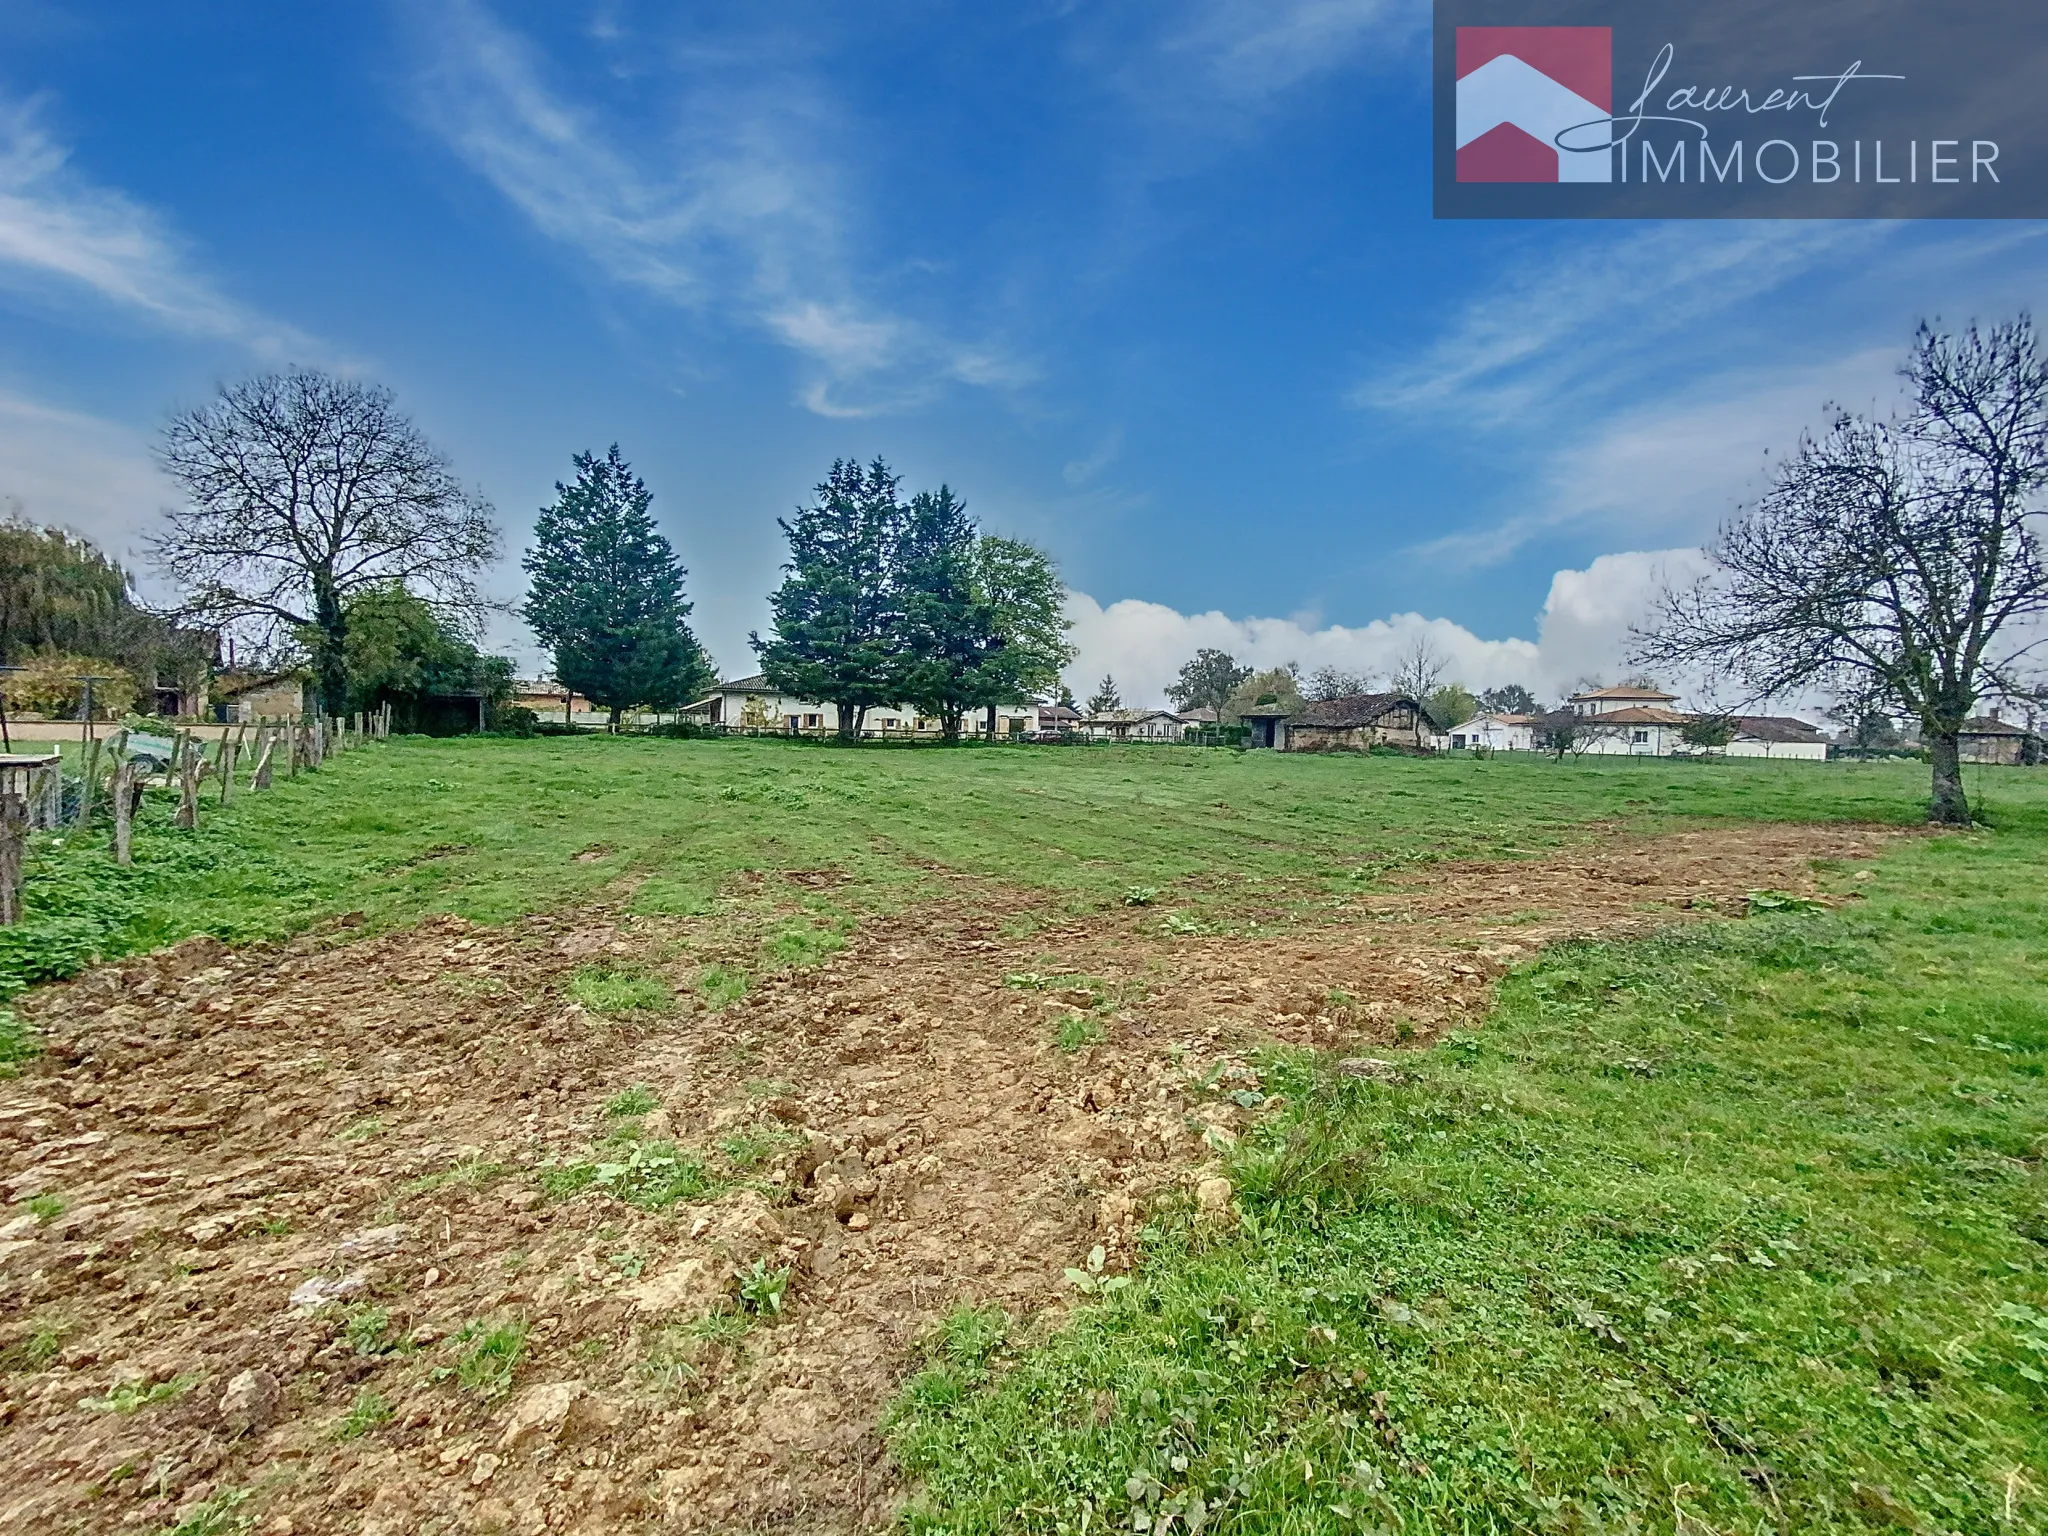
(1896, 564)
(1328, 682)
(1419, 668)
(303, 489)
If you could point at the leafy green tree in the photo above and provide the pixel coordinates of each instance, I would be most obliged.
(1027, 606)
(1275, 688)
(1510, 699)
(1450, 705)
(1708, 732)
(402, 651)
(607, 594)
(1206, 680)
(838, 623)
(1065, 698)
(1105, 697)
(61, 595)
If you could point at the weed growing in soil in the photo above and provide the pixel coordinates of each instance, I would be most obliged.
(131, 1396)
(45, 1208)
(363, 1129)
(667, 1369)
(722, 1329)
(1791, 1277)
(1077, 1031)
(45, 1338)
(368, 1329)
(720, 986)
(757, 1144)
(216, 1517)
(631, 1103)
(367, 1412)
(485, 1369)
(652, 1176)
(797, 948)
(474, 1172)
(761, 1289)
(614, 989)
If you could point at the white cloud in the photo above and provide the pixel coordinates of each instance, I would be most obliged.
(1251, 50)
(62, 235)
(78, 472)
(1566, 326)
(742, 206)
(1582, 632)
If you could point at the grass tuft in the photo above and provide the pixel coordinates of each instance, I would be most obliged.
(617, 989)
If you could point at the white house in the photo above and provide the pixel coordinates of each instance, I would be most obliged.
(1134, 725)
(749, 703)
(1493, 732)
(1776, 736)
(1607, 701)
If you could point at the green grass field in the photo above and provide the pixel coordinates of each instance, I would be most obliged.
(491, 828)
(1739, 1229)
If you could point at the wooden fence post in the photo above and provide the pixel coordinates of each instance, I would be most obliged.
(92, 772)
(124, 808)
(14, 818)
(266, 743)
(188, 787)
(229, 751)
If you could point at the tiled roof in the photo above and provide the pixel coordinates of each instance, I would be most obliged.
(1355, 710)
(758, 683)
(1986, 725)
(1643, 714)
(1624, 691)
(1776, 728)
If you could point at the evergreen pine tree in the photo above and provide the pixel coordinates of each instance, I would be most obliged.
(948, 625)
(607, 594)
(1106, 697)
(838, 623)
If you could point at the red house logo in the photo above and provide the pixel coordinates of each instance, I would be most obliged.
(1520, 88)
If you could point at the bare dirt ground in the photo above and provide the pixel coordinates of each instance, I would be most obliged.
(311, 1274)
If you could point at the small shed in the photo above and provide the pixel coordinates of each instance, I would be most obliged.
(1988, 739)
(1360, 722)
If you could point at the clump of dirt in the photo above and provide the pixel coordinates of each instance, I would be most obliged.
(391, 1236)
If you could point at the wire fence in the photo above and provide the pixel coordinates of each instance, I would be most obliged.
(112, 774)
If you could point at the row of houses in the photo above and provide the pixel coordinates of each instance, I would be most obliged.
(1628, 720)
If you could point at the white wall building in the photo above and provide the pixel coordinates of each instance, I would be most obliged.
(749, 703)
(1492, 732)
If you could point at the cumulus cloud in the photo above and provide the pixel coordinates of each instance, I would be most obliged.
(61, 234)
(1582, 632)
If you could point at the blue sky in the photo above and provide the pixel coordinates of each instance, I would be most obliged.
(1155, 286)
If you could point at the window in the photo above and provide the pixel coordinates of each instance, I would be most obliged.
(1640, 738)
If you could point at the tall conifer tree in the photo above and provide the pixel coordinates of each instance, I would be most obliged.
(607, 594)
(838, 620)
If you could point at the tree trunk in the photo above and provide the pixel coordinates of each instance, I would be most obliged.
(613, 724)
(849, 722)
(332, 663)
(1950, 808)
(949, 720)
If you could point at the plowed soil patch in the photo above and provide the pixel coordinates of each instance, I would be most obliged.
(345, 1238)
